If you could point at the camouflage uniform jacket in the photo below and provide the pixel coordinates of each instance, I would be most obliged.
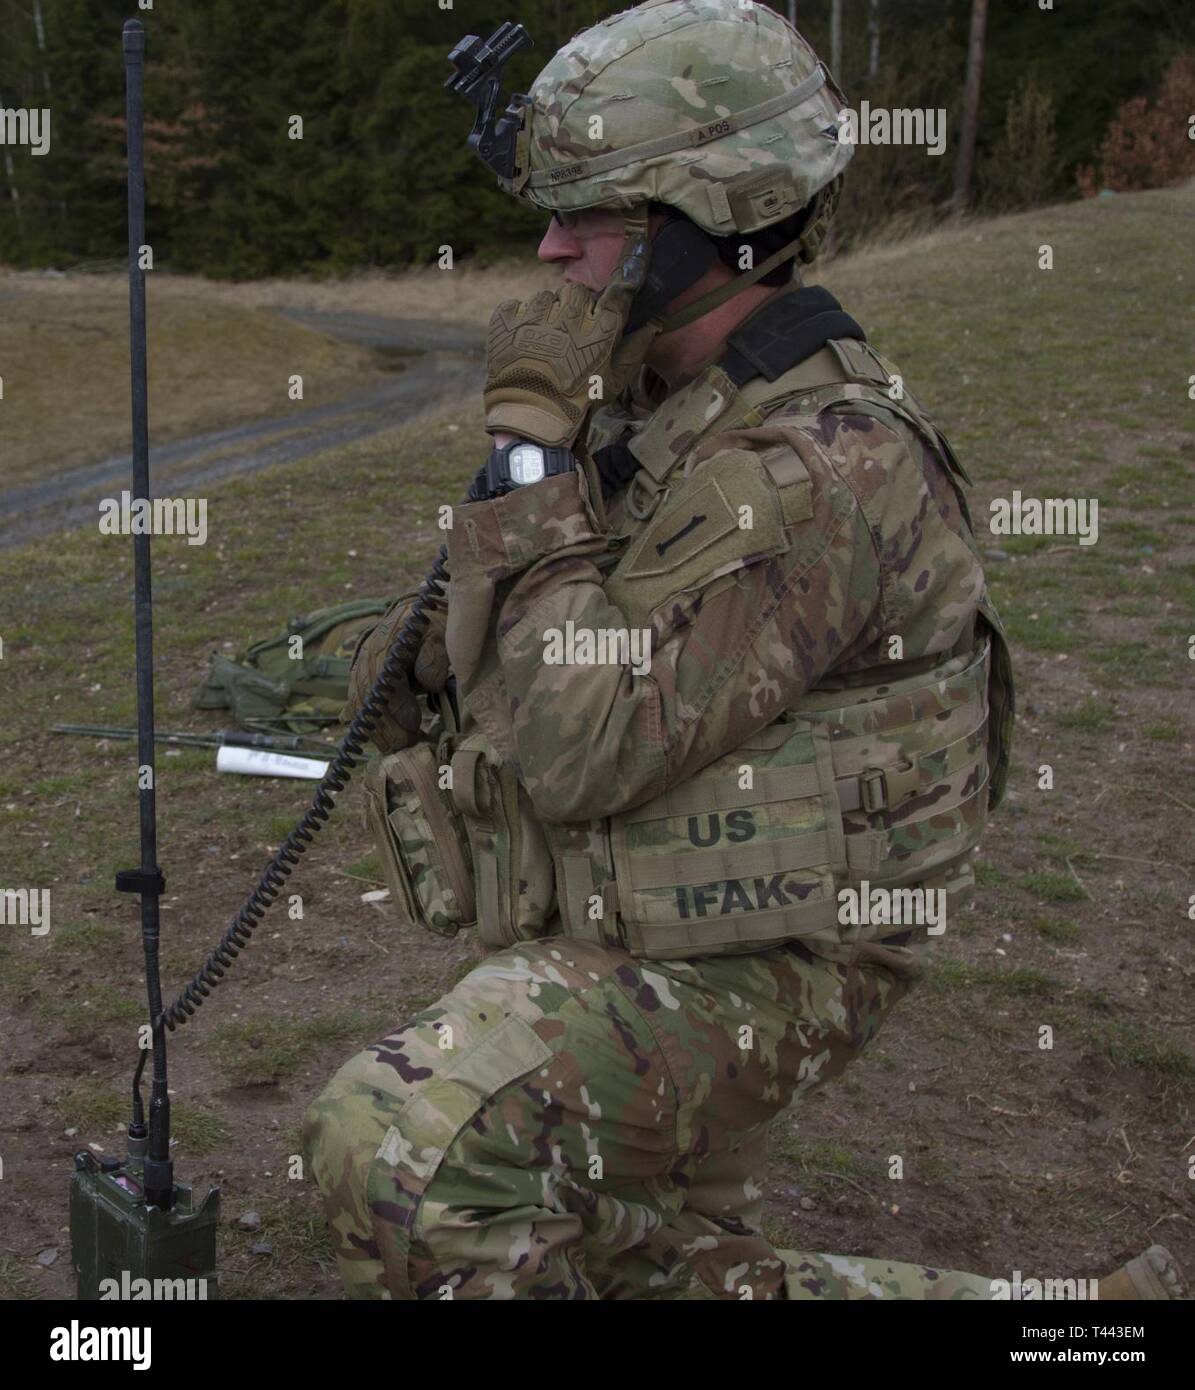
(861, 538)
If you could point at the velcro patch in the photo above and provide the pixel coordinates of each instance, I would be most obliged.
(790, 474)
(724, 514)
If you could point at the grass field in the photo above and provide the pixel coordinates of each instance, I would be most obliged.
(218, 356)
(1067, 382)
(65, 367)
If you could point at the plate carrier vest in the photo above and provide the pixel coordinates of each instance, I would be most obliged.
(882, 779)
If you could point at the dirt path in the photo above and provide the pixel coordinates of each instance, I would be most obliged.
(426, 363)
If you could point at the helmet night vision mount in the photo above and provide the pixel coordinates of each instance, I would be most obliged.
(478, 78)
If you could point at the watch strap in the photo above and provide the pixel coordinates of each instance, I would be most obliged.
(556, 460)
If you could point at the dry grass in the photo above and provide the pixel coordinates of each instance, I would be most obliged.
(218, 356)
(463, 295)
(212, 363)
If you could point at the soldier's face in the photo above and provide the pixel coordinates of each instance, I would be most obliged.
(586, 245)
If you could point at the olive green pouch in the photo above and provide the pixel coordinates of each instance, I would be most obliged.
(420, 837)
(515, 878)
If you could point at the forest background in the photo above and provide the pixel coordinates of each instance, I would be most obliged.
(1071, 97)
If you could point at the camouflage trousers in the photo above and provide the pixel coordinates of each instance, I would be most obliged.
(570, 1122)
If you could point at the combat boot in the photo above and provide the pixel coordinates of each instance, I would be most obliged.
(1154, 1274)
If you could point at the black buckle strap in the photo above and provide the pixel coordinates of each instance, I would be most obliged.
(141, 881)
(787, 330)
(616, 466)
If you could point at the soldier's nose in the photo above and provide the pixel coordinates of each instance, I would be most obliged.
(559, 244)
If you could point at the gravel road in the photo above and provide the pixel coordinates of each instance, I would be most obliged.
(427, 361)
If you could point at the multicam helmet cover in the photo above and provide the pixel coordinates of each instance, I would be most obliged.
(718, 109)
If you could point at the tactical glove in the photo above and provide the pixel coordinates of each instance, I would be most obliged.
(399, 726)
(543, 353)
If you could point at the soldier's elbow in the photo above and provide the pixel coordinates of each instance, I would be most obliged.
(595, 797)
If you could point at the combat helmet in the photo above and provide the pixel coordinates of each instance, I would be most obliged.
(717, 109)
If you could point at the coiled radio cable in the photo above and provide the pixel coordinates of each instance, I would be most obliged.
(399, 662)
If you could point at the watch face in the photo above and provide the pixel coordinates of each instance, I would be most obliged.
(526, 464)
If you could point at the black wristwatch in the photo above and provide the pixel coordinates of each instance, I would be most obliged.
(521, 462)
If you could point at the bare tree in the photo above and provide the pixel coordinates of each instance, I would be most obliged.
(34, 17)
(836, 40)
(13, 191)
(41, 43)
(873, 39)
(966, 150)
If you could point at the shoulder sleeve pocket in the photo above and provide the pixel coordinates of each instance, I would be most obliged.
(725, 515)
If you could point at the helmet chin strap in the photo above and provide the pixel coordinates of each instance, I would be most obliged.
(708, 302)
(681, 253)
